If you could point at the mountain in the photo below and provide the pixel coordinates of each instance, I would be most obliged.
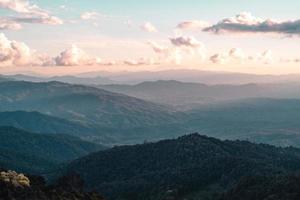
(248, 119)
(80, 103)
(105, 111)
(40, 123)
(198, 76)
(190, 95)
(178, 168)
(14, 186)
(266, 187)
(34, 153)
(65, 79)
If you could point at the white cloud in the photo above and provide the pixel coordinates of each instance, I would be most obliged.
(6, 24)
(148, 27)
(74, 57)
(89, 15)
(266, 57)
(191, 25)
(237, 55)
(233, 55)
(183, 47)
(14, 53)
(29, 13)
(186, 41)
(141, 61)
(221, 58)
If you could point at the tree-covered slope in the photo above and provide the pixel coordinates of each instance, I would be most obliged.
(41, 123)
(30, 152)
(179, 167)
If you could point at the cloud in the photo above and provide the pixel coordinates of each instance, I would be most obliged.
(141, 61)
(182, 47)
(233, 55)
(29, 13)
(266, 57)
(191, 25)
(148, 27)
(6, 24)
(219, 58)
(89, 15)
(74, 57)
(14, 53)
(38, 20)
(245, 22)
(159, 48)
(186, 41)
(237, 55)
(189, 45)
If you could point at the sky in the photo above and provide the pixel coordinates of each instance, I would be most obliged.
(55, 37)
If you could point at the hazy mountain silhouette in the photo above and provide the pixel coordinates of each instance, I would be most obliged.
(189, 95)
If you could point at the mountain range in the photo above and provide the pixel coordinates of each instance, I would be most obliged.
(188, 95)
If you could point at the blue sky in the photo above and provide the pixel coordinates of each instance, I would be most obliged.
(115, 34)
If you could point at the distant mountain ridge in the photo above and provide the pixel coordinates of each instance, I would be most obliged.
(80, 103)
(65, 79)
(190, 95)
(111, 117)
(193, 75)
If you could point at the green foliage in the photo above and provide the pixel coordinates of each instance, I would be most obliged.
(155, 171)
(35, 153)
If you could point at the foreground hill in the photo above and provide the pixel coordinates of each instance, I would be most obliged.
(180, 167)
(266, 188)
(34, 153)
(40, 123)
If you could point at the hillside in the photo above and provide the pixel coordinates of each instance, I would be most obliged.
(266, 187)
(180, 167)
(40, 123)
(83, 104)
(33, 153)
(107, 114)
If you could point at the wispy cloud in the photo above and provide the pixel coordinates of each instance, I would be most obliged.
(148, 27)
(29, 13)
(245, 22)
(90, 15)
(237, 55)
(192, 25)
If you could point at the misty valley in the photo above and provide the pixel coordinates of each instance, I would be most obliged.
(149, 100)
(153, 140)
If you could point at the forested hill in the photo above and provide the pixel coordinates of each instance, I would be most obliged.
(180, 167)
